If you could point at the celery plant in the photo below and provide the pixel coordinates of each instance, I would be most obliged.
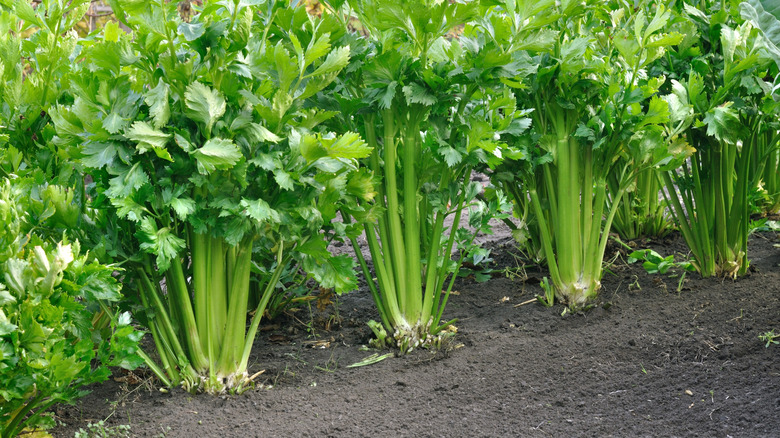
(202, 138)
(50, 290)
(642, 211)
(422, 106)
(595, 124)
(49, 293)
(718, 110)
(766, 173)
(36, 48)
(765, 165)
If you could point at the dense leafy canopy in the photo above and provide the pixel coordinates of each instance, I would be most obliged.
(50, 345)
(222, 158)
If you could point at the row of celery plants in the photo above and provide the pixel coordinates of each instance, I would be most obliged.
(626, 98)
(222, 149)
(723, 109)
(437, 92)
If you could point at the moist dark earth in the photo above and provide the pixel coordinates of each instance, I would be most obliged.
(645, 361)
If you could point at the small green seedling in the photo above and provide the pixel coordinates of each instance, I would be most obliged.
(381, 340)
(655, 263)
(102, 430)
(548, 300)
(769, 337)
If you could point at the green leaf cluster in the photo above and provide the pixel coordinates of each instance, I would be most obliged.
(49, 346)
(429, 105)
(723, 113)
(583, 70)
(206, 145)
(37, 50)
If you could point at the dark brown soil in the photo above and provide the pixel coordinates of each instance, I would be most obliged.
(646, 361)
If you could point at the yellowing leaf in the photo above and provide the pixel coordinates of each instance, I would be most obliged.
(111, 31)
(27, 433)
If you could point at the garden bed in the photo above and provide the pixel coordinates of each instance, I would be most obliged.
(646, 361)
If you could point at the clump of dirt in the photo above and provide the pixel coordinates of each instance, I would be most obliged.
(646, 360)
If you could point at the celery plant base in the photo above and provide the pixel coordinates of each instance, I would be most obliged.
(408, 337)
(577, 295)
(233, 383)
(733, 266)
(218, 384)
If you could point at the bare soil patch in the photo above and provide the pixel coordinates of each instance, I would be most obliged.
(645, 361)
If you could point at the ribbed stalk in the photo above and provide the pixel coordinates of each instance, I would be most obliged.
(201, 256)
(394, 245)
(179, 297)
(546, 236)
(435, 274)
(413, 300)
(567, 223)
(168, 344)
(281, 263)
(238, 296)
(219, 285)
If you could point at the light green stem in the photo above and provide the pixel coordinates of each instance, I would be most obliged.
(394, 245)
(413, 301)
(179, 296)
(281, 264)
(238, 296)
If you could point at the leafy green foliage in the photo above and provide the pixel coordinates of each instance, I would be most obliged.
(764, 15)
(49, 293)
(38, 51)
(204, 142)
(430, 107)
(597, 125)
(722, 106)
(31, 72)
(765, 164)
